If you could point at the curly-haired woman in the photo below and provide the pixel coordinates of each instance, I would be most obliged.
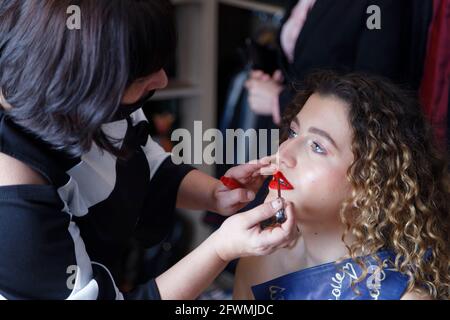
(371, 198)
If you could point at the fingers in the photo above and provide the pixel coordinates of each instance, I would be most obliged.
(284, 234)
(261, 213)
(269, 170)
(266, 171)
(276, 117)
(290, 225)
(230, 198)
(256, 74)
(248, 170)
(273, 159)
(278, 76)
(261, 86)
(272, 168)
(263, 173)
(260, 106)
(264, 161)
(254, 80)
(259, 75)
(267, 167)
(249, 84)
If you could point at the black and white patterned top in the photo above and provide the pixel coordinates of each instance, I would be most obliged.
(65, 240)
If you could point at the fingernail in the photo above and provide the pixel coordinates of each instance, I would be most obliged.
(276, 204)
(268, 171)
(250, 195)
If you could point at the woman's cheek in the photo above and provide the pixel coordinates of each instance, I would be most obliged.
(335, 191)
(320, 190)
(307, 188)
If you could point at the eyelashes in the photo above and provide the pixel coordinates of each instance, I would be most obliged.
(292, 134)
(316, 147)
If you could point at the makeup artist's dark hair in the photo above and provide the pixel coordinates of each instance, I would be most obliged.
(399, 178)
(8, 9)
(64, 84)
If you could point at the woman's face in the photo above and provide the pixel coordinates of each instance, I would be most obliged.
(315, 159)
(142, 86)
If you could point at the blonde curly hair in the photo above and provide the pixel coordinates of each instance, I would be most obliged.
(399, 178)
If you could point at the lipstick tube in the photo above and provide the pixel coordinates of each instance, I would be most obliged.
(279, 217)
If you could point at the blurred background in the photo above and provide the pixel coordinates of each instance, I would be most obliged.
(220, 43)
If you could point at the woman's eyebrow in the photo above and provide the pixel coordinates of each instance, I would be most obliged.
(324, 134)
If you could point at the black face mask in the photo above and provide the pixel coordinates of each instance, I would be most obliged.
(125, 110)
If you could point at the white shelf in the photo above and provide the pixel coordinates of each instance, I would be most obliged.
(195, 79)
(178, 90)
(196, 71)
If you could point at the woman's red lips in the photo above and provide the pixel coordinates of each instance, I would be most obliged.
(284, 183)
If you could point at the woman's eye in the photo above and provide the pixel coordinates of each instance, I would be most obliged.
(317, 148)
(292, 134)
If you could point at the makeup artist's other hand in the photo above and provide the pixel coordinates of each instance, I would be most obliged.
(250, 178)
(241, 234)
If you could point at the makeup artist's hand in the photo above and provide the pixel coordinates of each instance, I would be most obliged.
(251, 177)
(241, 234)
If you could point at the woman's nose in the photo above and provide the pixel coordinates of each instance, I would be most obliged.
(287, 155)
(158, 80)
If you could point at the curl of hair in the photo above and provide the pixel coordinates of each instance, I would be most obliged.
(399, 178)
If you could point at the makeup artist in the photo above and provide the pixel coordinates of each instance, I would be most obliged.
(79, 173)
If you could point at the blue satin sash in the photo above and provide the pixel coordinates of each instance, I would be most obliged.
(333, 281)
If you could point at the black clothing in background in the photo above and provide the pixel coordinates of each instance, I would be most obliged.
(335, 36)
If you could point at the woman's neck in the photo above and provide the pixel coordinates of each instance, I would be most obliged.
(322, 242)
